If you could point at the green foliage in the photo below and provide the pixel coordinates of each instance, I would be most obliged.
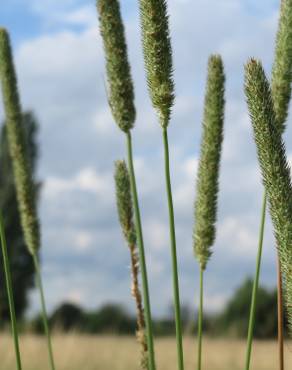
(274, 167)
(234, 319)
(209, 165)
(21, 263)
(124, 201)
(158, 56)
(282, 68)
(121, 91)
(22, 169)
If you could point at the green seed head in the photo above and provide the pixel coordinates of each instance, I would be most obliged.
(209, 165)
(21, 167)
(282, 68)
(124, 201)
(158, 56)
(274, 167)
(121, 91)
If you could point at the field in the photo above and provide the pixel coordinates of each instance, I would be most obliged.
(120, 353)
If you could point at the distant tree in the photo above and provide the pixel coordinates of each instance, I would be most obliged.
(20, 260)
(67, 317)
(234, 319)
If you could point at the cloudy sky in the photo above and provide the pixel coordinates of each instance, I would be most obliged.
(60, 65)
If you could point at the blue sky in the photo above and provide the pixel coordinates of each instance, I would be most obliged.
(60, 65)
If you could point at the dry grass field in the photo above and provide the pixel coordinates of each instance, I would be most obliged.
(120, 353)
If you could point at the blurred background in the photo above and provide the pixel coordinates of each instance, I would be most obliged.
(74, 141)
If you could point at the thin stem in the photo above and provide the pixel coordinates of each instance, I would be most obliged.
(44, 310)
(200, 319)
(142, 258)
(10, 293)
(280, 317)
(256, 285)
(173, 255)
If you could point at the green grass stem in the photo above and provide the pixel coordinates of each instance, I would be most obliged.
(140, 242)
(256, 285)
(178, 326)
(200, 319)
(44, 310)
(10, 293)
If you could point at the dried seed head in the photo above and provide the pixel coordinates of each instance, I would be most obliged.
(209, 165)
(274, 167)
(282, 68)
(121, 91)
(22, 172)
(158, 56)
(124, 201)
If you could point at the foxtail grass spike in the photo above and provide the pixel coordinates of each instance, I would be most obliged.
(208, 177)
(9, 287)
(121, 101)
(23, 181)
(158, 64)
(125, 211)
(158, 56)
(282, 68)
(121, 91)
(21, 167)
(274, 167)
(209, 165)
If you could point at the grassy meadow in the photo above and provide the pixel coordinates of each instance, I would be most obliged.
(75, 352)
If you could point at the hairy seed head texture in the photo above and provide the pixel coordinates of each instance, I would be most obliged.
(274, 167)
(158, 56)
(282, 68)
(209, 164)
(22, 172)
(121, 90)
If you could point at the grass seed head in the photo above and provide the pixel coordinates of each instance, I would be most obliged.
(209, 164)
(158, 56)
(124, 201)
(22, 171)
(121, 90)
(282, 68)
(274, 167)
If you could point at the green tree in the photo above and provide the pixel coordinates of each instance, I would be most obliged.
(21, 262)
(234, 319)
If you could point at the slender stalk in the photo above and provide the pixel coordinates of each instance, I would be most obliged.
(140, 243)
(280, 317)
(200, 319)
(44, 310)
(10, 293)
(256, 285)
(178, 327)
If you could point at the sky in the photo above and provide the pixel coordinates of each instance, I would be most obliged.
(61, 73)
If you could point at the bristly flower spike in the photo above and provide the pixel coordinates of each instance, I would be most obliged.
(121, 91)
(158, 56)
(209, 164)
(274, 167)
(125, 211)
(208, 177)
(282, 67)
(21, 166)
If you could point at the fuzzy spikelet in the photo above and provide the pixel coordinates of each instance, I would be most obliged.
(274, 167)
(158, 56)
(125, 211)
(121, 91)
(282, 68)
(22, 171)
(209, 165)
